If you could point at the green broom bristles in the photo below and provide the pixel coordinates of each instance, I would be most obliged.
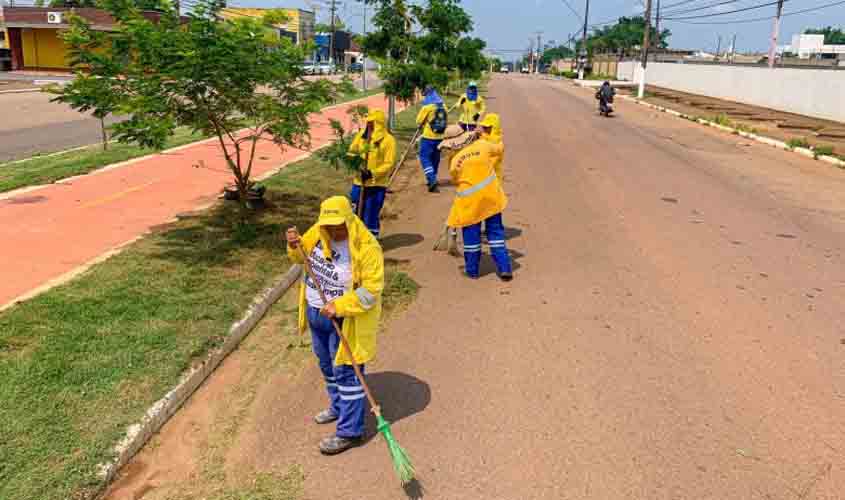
(401, 462)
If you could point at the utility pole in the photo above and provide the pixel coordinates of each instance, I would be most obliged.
(331, 40)
(582, 55)
(646, 37)
(718, 46)
(176, 3)
(775, 32)
(539, 52)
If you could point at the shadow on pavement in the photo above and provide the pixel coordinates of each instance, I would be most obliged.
(400, 240)
(487, 265)
(400, 396)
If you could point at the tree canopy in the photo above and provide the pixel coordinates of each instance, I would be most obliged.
(555, 53)
(234, 80)
(832, 36)
(411, 60)
(624, 37)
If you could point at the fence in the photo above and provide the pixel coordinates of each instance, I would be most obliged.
(812, 92)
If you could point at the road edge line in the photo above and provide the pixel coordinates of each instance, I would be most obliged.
(748, 135)
(138, 434)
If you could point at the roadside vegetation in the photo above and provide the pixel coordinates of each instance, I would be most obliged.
(82, 361)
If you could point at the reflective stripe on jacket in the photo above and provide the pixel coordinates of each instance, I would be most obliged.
(479, 192)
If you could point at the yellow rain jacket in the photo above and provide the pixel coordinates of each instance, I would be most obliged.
(360, 307)
(379, 151)
(479, 191)
(424, 119)
(471, 108)
(495, 136)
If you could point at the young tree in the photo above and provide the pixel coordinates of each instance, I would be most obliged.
(234, 80)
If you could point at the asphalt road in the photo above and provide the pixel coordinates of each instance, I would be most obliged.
(675, 331)
(32, 124)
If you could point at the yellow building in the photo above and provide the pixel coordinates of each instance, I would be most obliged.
(34, 34)
(299, 27)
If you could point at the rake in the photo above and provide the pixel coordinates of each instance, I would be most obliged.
(401, 462)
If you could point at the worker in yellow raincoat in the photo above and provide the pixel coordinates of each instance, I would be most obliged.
(349, 265)
(480, 199)
(472, 107)
(378, 147)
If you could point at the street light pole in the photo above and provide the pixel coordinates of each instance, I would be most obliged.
(331, 40)
(646, 37)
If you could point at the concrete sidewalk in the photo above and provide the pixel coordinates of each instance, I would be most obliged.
(49, 232)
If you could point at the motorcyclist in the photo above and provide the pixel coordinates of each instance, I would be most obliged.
(605, 97)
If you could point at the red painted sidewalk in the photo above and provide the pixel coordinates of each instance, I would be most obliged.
(50, 231)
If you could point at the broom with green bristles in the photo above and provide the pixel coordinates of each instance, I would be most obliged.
(401, 462)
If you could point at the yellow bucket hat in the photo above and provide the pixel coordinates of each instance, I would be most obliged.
(334, 211)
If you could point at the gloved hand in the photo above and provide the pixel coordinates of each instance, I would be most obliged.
(476, 117)
(366, 175)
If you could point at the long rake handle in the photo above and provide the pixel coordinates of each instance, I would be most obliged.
(404, 157)
(374, 407)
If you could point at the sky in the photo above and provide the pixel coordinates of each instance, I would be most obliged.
(506, 25)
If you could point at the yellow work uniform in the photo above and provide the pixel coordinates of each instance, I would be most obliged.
(479, 192)
(379, 150)
(360, 307)
(471, 108)
(493, 121)
(424, 119)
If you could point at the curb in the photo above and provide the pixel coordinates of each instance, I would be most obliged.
(754, 137)
(19, 91)
(160, 412)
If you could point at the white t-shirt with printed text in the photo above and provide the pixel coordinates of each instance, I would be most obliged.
(335, 275)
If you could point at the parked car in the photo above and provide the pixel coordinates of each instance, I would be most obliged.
(525, 70)
(356, 68)
(505, 69)
(325, 68)
(310, 68)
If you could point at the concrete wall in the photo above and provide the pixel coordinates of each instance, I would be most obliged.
(810, 92)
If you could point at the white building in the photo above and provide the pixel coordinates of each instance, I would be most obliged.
(807, 46)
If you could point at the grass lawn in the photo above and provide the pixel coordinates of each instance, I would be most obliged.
(81, 362)
(46, 169)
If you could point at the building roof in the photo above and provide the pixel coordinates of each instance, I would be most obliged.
(44, 17)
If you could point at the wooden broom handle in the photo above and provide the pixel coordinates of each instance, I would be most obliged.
(373, 406)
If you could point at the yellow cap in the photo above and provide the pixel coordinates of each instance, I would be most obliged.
(334, 211)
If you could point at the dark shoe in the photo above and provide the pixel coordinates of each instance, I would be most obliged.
(432, 188)
(333, 445)
(326, 416)
(470, 276)
(505, 276)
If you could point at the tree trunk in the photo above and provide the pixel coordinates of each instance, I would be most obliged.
(105, 134)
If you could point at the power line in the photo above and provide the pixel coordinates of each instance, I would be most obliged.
(684, 2)
(753, 7)
(577, 14)
(767, 18)
(696, 9)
